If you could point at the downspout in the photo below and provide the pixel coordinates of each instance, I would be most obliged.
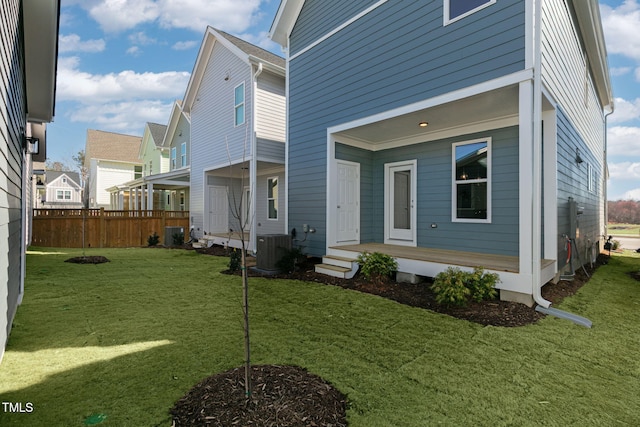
(606, 169)
(536, 205)
(253, 167)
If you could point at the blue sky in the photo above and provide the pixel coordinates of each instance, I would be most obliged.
(122, 63)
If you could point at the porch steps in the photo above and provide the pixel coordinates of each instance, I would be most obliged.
(337, 266)
(203, 242)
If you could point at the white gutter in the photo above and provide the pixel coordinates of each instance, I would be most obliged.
(536, 205)
(253, 164)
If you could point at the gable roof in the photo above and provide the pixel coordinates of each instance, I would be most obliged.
(248, 53)
(174, 119)
(111, 146)
(284, 21)
(53, 175)
(157, 133)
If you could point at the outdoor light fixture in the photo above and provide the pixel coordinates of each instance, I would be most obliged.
(578, 158)
(31, 144)
(423, 124)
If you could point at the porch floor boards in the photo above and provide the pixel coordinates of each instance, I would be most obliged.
(443, 256)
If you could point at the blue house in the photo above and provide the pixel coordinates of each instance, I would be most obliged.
(448, 133)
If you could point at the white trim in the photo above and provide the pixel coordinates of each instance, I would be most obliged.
(525, 192)
(550, 179)
(275, 199)
(455, 182)
(337, 29)
(488, 86)
(445, 15)
(388, 239)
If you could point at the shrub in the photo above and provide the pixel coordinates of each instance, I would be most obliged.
(377, 267)
(235, 260)
(288, 263)
(178, 239)
(615, 244)
(450, 287)
(153, 240)
(457, 287)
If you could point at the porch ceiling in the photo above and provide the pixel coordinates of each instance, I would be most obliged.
(486, 107)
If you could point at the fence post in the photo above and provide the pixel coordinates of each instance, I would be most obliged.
(163, 223)
(103, 237)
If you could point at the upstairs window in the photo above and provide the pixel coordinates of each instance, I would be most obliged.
(471, 190)
(239, 104)
(183, 155)
(173, 158)
(137, 172)
(458, 9)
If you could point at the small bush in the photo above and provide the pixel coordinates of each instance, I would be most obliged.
(288, 263)
(450, 287)
(457, 287)
(615, 244)
(153, 240)
(235, 260)
(178, 239)
(377, 267)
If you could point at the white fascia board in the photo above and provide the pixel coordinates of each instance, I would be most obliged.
(198, 70)
(284, 21)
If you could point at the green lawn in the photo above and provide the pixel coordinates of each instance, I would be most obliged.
(118, 343)
(624, 229)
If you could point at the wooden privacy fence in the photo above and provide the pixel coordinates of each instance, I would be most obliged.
(98, 228)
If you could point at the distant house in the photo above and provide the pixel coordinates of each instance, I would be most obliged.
(28, 69)
(236, 102)
(111, 159)
(59, 190)
(165, 177)
(448, 133)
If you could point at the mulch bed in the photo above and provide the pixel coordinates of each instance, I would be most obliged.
(291, 396)
(282, 396)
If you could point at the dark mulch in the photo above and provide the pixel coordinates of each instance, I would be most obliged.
(282, 396)
(94, 259)
(291, 396)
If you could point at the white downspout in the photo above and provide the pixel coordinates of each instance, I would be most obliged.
(253, 166)
(536, 205)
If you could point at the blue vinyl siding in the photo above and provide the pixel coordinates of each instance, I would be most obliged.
(573, 181)
(396, 55)
(434, 194)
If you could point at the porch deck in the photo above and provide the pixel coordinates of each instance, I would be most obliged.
(232, 240)
(442, 256)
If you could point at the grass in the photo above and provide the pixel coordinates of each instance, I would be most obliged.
(624, 229)
(118, 343)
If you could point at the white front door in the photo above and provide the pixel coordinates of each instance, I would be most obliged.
(218, 210)
(400, 203)
(348, 203)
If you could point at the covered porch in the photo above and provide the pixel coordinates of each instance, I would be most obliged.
(166, 191)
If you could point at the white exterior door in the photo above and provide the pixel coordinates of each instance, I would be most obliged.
(348, 202)
(400, 203)
(218, 210)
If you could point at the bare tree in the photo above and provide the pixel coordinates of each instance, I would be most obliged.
(240, 208)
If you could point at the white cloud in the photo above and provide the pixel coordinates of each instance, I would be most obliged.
(126, 117)
(184, 45)
(624, 171)
(121, 15)
(619, 71)
(134, 51)
(73, 43)
(631, 195)
(625, 110)
(141, 38)
(621, 28)
(623, 141)
(76, 85)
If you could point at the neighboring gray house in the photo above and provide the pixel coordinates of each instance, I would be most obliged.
(28, 62)
(448, 132)
(236, 102)
(59, 190)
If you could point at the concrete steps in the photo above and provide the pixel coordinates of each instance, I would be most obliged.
(337, 266)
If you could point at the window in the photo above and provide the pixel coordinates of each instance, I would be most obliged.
(592, 179)
(137, 172)
(183, 155)
(272, 197)
(150, 167)
(471, 193)
(239, 104)
(458, 9)
(173, 158)
(63, 194)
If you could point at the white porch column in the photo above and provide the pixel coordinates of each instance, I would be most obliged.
(150, 196)
(526, 182)
(121, 200)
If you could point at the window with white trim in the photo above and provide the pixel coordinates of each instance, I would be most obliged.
(137, 172)
(183, 155)
(458, 9)
(173, 158)
(272, 197)
(592, 179)
(239, 104)
(63, 194)
(471, 192)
